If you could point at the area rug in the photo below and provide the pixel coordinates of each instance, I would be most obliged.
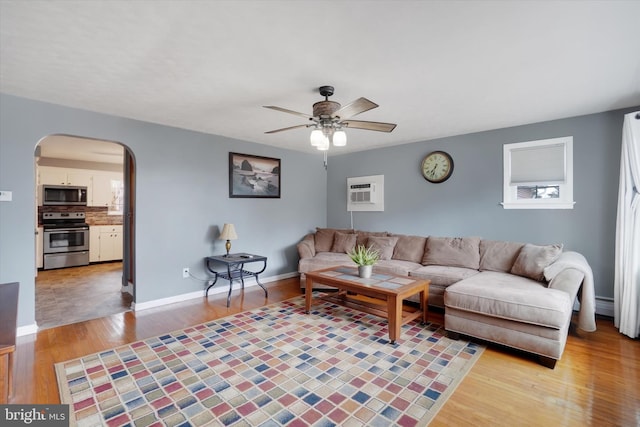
(271, 366)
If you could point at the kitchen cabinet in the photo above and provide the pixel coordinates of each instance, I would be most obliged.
(105, 243)
(94, 243)
(55, 176)
(102, 188)
(64, 176)
(98, 183)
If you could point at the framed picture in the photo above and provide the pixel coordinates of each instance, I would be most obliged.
(253, 176)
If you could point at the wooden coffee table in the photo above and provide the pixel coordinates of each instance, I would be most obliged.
(381, 295)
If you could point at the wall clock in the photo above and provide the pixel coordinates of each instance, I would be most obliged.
(437, 167)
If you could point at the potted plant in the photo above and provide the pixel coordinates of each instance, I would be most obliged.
(365, 258)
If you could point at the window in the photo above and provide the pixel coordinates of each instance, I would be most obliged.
(539, 174)
(116, 202)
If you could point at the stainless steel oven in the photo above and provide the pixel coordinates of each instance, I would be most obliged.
(66, 239)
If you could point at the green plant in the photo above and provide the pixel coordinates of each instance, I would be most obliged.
(362, 255)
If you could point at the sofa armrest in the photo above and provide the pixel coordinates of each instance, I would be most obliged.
(307, 246)
(568, 280)
(575, 261)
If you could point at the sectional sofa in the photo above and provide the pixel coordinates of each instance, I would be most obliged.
(516, 294)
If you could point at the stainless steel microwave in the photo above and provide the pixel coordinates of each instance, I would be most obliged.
(63, 195)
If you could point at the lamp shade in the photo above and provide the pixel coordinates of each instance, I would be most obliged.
(339, 138)
(324, 146)
(317, 137)
(228, 232)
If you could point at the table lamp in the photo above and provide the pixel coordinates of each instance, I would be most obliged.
(228, 234)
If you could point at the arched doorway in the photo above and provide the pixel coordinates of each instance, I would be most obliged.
(100, 281)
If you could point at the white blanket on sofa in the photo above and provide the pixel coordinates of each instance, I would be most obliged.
(587, 314)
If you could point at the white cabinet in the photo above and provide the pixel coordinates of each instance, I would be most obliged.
(103, 189)
(54, 176)
(111, 243)
(94, 243)
(63, 176)
(98, 183)
(82, 178)
(105, 243)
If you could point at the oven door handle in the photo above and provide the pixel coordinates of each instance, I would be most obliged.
(56, 230)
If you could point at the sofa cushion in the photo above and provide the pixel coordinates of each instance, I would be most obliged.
(443, 275)
(398, 267)
(506, 296)
(363, 236)
(409, 248)
(532, 260)
(324, 238)
(497, 255)
(453, 252)
(384, 245)
(324, 260)
(343, 242)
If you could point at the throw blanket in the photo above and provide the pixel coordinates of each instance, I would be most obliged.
(587, 314)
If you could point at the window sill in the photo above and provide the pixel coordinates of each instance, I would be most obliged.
(538, 205)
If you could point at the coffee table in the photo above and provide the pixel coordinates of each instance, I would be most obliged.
(382, 294)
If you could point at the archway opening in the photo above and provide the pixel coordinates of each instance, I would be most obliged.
(86, 270)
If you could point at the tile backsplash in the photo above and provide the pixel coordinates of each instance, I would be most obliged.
(98, 216)
(95, 215)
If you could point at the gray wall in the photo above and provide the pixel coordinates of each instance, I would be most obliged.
(468, 203)
(182, 195)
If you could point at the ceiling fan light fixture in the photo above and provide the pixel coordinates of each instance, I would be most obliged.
(330, 118)
(339, 138)
(317, 137)
(324, 146)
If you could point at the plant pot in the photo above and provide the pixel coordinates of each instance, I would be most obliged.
(364, 271)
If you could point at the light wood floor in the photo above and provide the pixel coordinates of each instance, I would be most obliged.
(596, 383)
(70, 295)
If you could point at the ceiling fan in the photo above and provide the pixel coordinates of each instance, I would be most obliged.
(329, 118)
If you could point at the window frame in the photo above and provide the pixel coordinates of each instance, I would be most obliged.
(115, 195)
(510, 196)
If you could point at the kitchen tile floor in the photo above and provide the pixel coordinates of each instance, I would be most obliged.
(70, 295)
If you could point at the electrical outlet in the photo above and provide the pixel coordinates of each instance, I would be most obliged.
(185, 273)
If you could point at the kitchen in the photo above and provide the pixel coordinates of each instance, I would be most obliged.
(79, 240)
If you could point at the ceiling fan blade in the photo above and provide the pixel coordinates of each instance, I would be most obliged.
(377, 126)
(358, 106)
(284, 110)
(289, 128)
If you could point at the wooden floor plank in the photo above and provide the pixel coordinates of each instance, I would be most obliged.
(596, 383)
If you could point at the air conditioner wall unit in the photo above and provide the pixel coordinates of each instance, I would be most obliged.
(362, 193)
(365, 193)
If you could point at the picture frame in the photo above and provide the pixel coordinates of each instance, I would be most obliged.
(254, 176)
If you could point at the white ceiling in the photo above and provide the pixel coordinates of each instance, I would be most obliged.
(81, 149)
(436, 68)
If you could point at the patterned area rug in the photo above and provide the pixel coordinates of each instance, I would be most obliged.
(271, 366)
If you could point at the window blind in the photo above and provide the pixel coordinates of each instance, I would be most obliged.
(541, 165)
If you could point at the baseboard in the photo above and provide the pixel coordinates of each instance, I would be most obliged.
(221, 287)
(128, 288)
(27, 330)
(605, 307)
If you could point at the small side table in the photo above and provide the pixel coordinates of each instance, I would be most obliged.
(235, 270)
